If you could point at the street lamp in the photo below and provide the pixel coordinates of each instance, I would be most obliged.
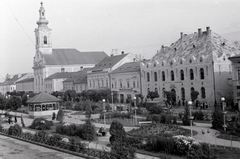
(135, 107)
(224, 113)
(112, 100)
(104, 110)
(191, 118)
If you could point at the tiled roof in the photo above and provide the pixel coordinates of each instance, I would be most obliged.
(208, 44)
(61, 75)
(108, 62)
(128, 67)
(43, 98)
(73, 56)
(13, 79)
(79, 76)
(26, 80)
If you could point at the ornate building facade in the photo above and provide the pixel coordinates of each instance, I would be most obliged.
(197, 61)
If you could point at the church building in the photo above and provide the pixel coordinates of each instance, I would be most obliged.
(48, 61)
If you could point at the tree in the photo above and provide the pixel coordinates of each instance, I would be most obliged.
(88, 131)
(69, 95)
(217, 119)
(118, 139)
(14, 103)
(26, 96)
(152, 95)
(88, 111)
(186, 116)
(3, 102)
(194, 95)
(171, 97)
(60, 116)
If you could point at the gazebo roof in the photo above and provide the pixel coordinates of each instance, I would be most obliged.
(43, 98)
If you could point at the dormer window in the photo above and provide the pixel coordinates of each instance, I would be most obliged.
(175, 49)
(171, 63)
(190, 61)
(162, 64)
(45, 40)
(154, 64)
(194, 46)
(201, 59)
(181, 61)
(224, 58)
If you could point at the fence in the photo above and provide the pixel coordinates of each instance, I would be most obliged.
(76, 150)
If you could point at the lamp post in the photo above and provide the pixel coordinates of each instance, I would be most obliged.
(112, 100)
(135, 107)
(190, 113)
(104, 110)
(224, 113)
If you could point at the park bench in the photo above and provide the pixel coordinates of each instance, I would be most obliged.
(145, 122)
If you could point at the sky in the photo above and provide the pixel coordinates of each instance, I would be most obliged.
(139, 27)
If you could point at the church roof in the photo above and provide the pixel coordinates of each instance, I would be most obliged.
(59, 75)
(73, 56)
(43, 98)
(205, 44)
(128, 67)
(108, 62)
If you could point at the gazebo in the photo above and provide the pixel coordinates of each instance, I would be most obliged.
(43, 104)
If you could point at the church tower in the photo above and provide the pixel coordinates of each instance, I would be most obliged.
(43, 34)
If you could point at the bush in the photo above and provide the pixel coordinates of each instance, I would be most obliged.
(41, 137)
(88, 131)
(198, 115)
(54, 140)
(76, 144)
(135, 142)
(122, 150)
(66, 129)
(15, 130)
(60, 116)
(154, 118)
(154, 109)
(41, 124)
(186, 119)
(217, 119)
(117, 132)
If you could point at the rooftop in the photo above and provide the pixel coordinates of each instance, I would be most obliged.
(128, 67)
(59, 75)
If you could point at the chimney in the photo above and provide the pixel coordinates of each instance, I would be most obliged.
(208, 30)
(199, 32)
(181, 35)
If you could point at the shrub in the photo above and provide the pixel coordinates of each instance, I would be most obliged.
(54, 140)
(217, 119)
(117, 132)
(15, 130)
(154, 109)
(60, 116)
(41, 137)
(135, 142)
(66, 129)
(122, 150)
(76, 144)
(154, 118)
(198, 115)
(186, 119)
(88, 131)
(41, 124)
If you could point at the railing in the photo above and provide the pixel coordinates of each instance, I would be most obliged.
(76, 150)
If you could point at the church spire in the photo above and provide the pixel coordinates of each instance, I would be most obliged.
(42, 20)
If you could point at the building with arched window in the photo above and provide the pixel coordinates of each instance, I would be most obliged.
(48, 61)
(194, 62)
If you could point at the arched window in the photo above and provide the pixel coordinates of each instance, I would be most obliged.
(183, 93)
(191, 74)
(45, 40)
(162, 64)
(182, 75)
(163, 76)
(172, 75)
(154, 64)
(201, 59)
(148, 77)
(201, 73)
(192, 89)
(203, 93)
(155, 76)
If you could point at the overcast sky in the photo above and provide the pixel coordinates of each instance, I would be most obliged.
(132, 26)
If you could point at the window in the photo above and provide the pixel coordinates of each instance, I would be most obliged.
(90, 83)
(128, 84)
(201, 73)
(121, 84)
(102, 83)
(106, 83)
(171, 63)
(203, 93)
(183, 93)
(62, 69)
(181, 62)
(192, 89)
(155, 76)
(182, 75)
(134, 84)
(115, 84)
(148, 77)
(190, 61)
(172, 75)
(238, 74)
(163, 76)
(163, 92)
(201, 59)
(191, 74)
(45, 40)
(137, 84)
(154, 64)
(162, 64)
